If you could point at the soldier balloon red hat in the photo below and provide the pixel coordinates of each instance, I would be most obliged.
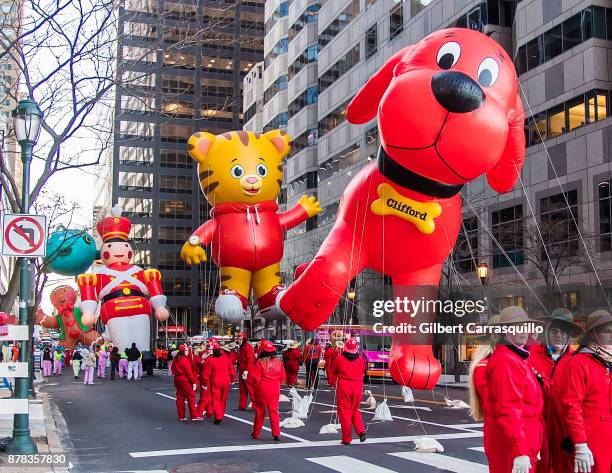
(115, 227)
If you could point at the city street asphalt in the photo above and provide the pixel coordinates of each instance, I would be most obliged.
(122, 426)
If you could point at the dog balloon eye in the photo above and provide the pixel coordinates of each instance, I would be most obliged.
(488, 72)
(448, 55)
(237, 171)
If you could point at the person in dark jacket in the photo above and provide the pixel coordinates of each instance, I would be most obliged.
(133, 355)
(115, 357)
(312, 357)
(76, 361)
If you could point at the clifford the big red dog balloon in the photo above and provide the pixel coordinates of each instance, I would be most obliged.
(448, 111)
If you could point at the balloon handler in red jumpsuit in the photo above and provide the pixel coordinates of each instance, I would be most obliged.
(292, 359)
(585, 398)
(348, 370)
(246, 360)
(266, 378)
(219, 374)
(186, 383)
(448, 111)
(514, 424)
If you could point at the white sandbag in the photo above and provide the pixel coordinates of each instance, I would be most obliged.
(382, 412)
(456, 403)
(296, 399)
(250, 405)
(330, 429)
(370, 402)
(407, 394)
(292, 423)
(303, 407)
(283, 398)
(427, 445)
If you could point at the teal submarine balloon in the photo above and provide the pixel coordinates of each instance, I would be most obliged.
(70, 252)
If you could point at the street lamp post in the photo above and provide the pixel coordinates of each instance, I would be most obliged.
(27, 119)
(482, 270)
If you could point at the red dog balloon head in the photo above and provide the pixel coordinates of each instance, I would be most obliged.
(448, 109)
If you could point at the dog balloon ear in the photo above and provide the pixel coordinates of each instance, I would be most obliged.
(505, 173)
(364, 105)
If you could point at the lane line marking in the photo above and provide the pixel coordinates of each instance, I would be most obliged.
(346, 464)
(478, 449)
(443, 462)
(244, 421)
(475, 425)
(290, 445)
(409, 419)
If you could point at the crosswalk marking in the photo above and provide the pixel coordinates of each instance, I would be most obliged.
(478, 449)
(346, 464)
(443, 462)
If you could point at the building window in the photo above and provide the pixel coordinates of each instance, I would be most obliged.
(141, 233)
(309, 97)
(396, 21)
(328, 215)
(503, 302)
(339, 23)
(170, 260)
(597, 105)
(142, 6)
(136, 207)
(177, 286)
(279, 48)
(371, 42)
(279, 84)
(132, 130)
(310, 15)
(590, 22)
(175, 184)
(140, 31)
(142, 257)
(309, 55)
(135, 181)
(605, 215)
(372, 142)
(309, 137)
(300, 185)
(175, 133)
(281, 10)
(568, 299)
(175, 209)
(173, 235)
(135, 156)
(417, 6)
(333, 119)
(339, 162)
(558, 227)
(169, 158)
(507, 228)
(279, 121)
(465, 252)
(177, 108)
(137, 105)
(138, 54)
(174, 84)
(141, 81)
(343, 65)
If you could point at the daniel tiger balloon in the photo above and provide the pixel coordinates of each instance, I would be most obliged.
(240, 174)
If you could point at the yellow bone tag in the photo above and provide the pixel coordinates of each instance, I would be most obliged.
(391, 202)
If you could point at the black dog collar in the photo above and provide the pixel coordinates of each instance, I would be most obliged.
(401, 176)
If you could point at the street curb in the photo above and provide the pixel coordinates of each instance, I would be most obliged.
(53, 441)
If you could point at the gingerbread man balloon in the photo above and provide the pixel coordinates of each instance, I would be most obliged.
(127, 294)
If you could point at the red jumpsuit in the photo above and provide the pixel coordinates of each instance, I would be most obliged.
(266, 378)
(205, 404)
(585, 401)
(312, 355)
(514, 426)
(349, 390)
(246, 360)
(554, 457)
(184, 379)
(292, 359)
(480, 384)
(330, 355)
(218, 375)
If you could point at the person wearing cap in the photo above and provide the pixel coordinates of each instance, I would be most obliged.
(584, 398)
(266, 377)
(292, 359)
(246, 360)
(311, 359)
(185, 382)
(332, 350)
(477, 377)
(348, 370)
(205, 405)
(514, 429)
(230, 351)
(218, 375)
(127, 294)
(549, 359)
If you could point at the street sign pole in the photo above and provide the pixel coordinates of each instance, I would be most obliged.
(22, 442)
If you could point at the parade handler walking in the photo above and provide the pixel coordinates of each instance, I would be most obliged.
(246, 360)
(127, 293)
(348, 370)
(186, 383)
(218, 375)
(266, 378)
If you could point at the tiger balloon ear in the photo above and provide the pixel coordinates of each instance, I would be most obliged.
(199, 144)
(281, 141)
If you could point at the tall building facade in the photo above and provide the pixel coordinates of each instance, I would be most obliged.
(181, 65)
(548, 242)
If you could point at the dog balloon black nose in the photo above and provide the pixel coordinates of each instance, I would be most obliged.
(456, 92)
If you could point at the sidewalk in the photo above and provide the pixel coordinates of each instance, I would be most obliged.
(448, 381)
(43, 431)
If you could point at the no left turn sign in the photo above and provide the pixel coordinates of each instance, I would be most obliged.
(24, 235)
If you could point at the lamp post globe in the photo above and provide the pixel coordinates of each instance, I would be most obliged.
(27, 119)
